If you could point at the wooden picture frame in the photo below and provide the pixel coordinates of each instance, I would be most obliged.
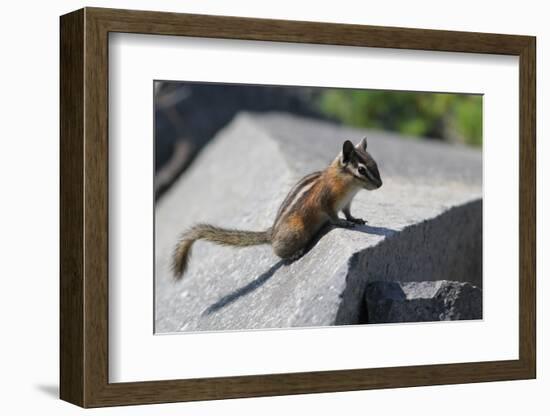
(84, 207)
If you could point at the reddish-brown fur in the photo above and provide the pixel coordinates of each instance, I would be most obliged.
(339, 184)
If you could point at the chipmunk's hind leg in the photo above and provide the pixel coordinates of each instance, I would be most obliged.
(289, 245)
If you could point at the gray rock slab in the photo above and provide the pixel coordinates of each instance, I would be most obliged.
(423, 224)
(442, 300)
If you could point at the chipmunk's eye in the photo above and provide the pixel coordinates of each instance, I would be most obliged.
(362, 171)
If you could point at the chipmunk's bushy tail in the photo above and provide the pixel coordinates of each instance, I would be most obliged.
(216, 235)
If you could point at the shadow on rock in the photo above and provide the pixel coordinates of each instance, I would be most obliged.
(264, 277)
(364, 228)
(369, 229)
(242, 291)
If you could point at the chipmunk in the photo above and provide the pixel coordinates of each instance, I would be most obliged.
(315, 200)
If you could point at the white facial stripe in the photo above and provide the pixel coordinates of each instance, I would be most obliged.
(369, 175)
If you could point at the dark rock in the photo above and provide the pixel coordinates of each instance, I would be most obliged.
(442, 300)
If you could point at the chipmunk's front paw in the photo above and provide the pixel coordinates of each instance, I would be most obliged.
(359, 221)
(344, 223)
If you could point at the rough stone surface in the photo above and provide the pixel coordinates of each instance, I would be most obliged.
(441, 300)
(424, 224)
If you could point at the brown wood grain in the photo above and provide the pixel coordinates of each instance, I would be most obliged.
(527, 207)
(84, 207)
(71, 219)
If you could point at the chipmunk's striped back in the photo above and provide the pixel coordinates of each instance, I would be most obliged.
(295, 195)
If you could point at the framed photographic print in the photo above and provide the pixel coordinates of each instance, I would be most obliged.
(255, 207)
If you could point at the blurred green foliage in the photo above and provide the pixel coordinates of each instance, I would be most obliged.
(451, 117)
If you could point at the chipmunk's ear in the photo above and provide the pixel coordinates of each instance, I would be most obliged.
(347, 151)
(362, 144)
